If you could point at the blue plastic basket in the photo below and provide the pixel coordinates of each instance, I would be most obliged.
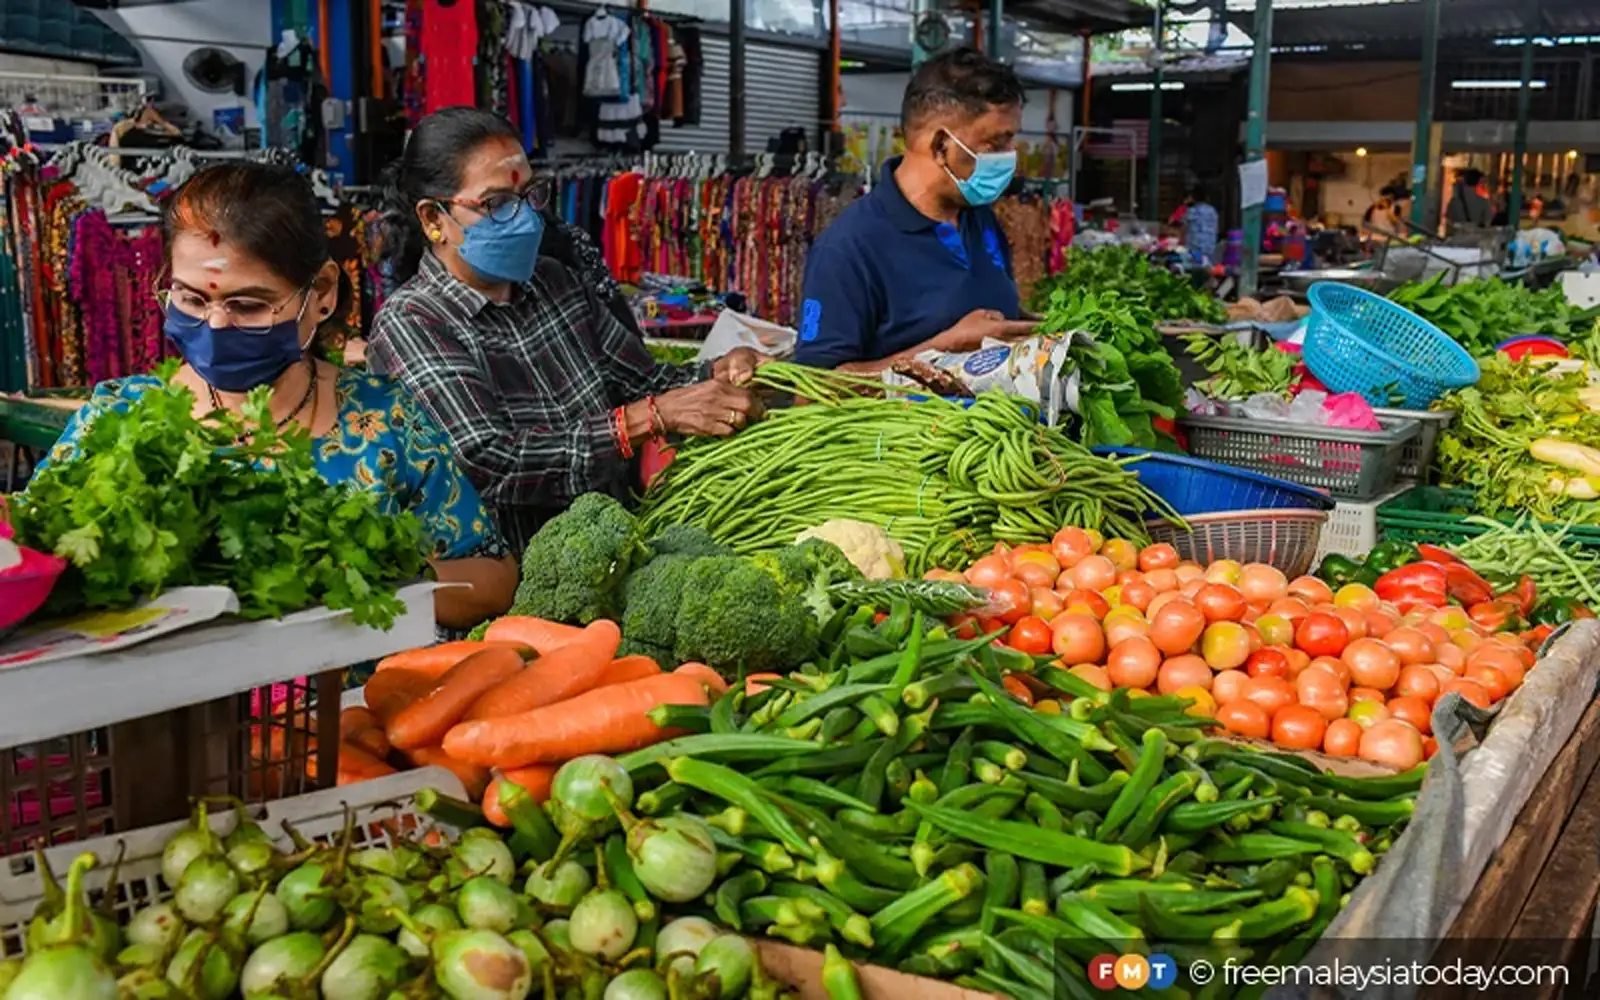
(1195, 486)
(1360, 342)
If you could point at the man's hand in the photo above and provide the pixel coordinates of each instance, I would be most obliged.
(708, 409)
(738, 365)
(980, 325)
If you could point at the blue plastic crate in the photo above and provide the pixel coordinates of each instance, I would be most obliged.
(1195, 486)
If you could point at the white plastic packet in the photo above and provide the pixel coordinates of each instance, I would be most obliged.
(1037, 369)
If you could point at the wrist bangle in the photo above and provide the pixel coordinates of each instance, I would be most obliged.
(619, 428)
(657, 427)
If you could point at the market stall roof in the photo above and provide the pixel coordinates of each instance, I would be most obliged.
(1342, 22)
(1219, 66)
(1077, 16)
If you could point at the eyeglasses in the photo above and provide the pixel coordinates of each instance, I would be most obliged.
(504, 207)
(242, 313)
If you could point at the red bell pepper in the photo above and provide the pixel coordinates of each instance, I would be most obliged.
(1496, 616)
(1527, 595)
(1419, 583)
(1466, 587)
(1535, 637)
(1434, 554)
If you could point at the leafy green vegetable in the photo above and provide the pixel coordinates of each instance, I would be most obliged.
(1481, 313)
(1127, 376)
(1238, 370)
(1133, 276)
(673, 354)
(1485, 448)
(155, 498)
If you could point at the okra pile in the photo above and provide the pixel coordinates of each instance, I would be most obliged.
(898, 803)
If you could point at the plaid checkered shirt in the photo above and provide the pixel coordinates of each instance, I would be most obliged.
(525, 389)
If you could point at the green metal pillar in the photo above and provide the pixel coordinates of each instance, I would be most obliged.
(1255, 141)
(1420, 141)
(919, 9)
(1153, 209)
(995, 44)
(1519, 142)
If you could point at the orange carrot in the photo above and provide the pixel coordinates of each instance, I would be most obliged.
(1016, 687)
(753, 685)
(554, 676)
(424, 723)
(544, 636)
(715, 685)
(356, 764)
(436, 660)
(535, 779)
(605, 720)
(627, 668)
(373, 740)
(389, 692)
(354, 719)
(473, 778)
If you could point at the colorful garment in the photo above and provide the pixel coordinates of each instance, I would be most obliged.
(383, 442)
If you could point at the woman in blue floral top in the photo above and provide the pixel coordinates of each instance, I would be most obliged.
(250, 285)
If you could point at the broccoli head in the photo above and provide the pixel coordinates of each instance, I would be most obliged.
(737, 612)
(686, 540)
(572, 568)
(651, 597)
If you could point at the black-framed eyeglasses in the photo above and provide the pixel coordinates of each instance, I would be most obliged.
(504, 206)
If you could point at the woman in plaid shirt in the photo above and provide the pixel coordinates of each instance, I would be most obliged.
(544, 393)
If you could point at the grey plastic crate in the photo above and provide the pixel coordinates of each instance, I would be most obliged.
(1355, 465)
(1417, 455)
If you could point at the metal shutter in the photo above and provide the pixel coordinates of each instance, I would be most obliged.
(782, 90)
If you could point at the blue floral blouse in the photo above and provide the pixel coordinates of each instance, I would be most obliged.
(383, 442)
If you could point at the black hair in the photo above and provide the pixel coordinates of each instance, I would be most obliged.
(1198, 192)
(963, 80)
(1471, 176)
(267, 210)
(431, 168)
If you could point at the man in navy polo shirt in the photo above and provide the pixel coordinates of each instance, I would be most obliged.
(921, 263)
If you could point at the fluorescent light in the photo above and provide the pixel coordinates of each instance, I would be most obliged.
(1166, 85)
(1495, 85)
(1361, 151)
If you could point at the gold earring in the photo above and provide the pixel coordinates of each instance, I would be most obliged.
(435, 235)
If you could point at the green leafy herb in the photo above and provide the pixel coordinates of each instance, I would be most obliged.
(1237, 370)
(1168, 296)
(155, 498)
(1481, 313)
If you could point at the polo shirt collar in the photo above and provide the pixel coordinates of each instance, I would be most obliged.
(900, 211)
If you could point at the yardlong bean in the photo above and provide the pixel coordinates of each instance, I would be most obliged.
(947, 482)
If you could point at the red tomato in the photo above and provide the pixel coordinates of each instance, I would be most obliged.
(1361, 694)
(1343, 738)
(989, 626)
(1298, 727)
(1230, 685)
(1414, 711)
(1267, 662)
(1470, 690)
(1176, 627)
(1088, 601)
(1158, 556)
(1127, 576)
(989, 571)
(1015, 599)
(1032, 635)
(1321, 634)
(1077, 638)
(1417, 681)
(1491, 679)
(1138, 593)
(1334, 666)
(964, 627)
(1245, 718)
(1018, 689)
(1034, 574)
(1372, 664)
(1322, 692)
(1271, 693)
(1183, 672)
(1047, 603)
(1220, 602)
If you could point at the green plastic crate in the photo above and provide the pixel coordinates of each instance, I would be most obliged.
(1438, 516)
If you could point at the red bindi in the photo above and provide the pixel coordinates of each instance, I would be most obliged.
(516, 177)
(216, 239)
(213, 286)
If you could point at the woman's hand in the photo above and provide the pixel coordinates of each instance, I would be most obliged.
(708, 409)
(738, 365)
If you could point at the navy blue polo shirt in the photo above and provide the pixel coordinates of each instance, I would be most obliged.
(884, 277)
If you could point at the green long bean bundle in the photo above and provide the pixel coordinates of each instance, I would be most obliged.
(945, 481)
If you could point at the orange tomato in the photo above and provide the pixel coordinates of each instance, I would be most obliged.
(1163, 580)
(1271, 693)
(1322, 634)
(1087, 601)
(1334, 666)
(1298, 727)
(1224, 571)
(1077, 638)
(1158, 556)
(1120, 627)
(1394, 743)
(1310, 590)
(1092, 673)
(1122, 553)
(1220, 602)
(1355, 622)
(1360, 694)
(1245, 718)
(1229, 685)
(1323, 692)
(1343, 738)
(1133, 663)
(1411, 646)
(1046, 603)
(1372, 664)
(1127, 576)
(988, 571)
(1138, 594)
(1452, 657)
(1188, 570)
(1262, 584)
(1035, 575)
(1071, 546)
(1417, 681)
(1367, 713)
(1093, 573)
(1179, 672)
(1014, 598)
(1491, 679)
(1380, 623)
(1469, 689)
(1176, 626)
(1435, 633)
(1299, 659)
(1412, 710)
(1291, 608)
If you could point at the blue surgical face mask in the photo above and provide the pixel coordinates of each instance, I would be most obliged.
(504, 251)
(231, 359)
(991, 174)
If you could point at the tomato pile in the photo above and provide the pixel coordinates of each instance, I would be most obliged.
(1293, 661)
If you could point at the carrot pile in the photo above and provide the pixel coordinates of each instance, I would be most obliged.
(514, 706)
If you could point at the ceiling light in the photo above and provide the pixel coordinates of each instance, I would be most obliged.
(1495, 84)
(1361, 151)
(1125, 87)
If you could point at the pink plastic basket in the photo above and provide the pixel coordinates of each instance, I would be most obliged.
(23, 588)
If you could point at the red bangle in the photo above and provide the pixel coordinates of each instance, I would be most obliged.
(619, 428)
